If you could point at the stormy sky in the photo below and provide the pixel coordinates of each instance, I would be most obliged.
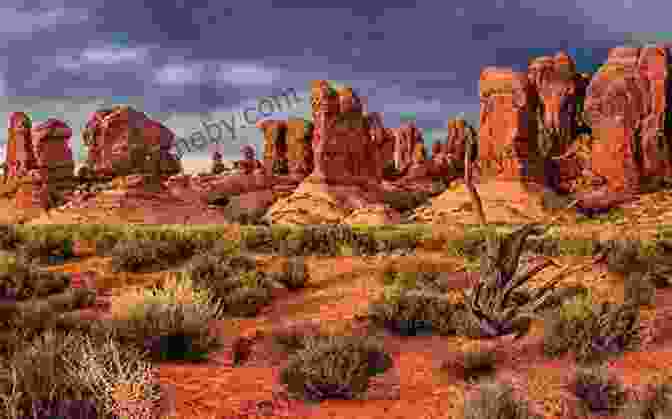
(183, 62)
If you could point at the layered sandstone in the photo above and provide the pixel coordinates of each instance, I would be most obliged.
(123, 141)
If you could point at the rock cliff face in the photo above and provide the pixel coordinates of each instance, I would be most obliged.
(122, 141)
(507, 132)
(627, 105)
(549, 129)
(20, 156)
(51, 143)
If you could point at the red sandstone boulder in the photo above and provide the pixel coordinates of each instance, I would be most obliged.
(299, 148)
(615, 106)
(275, 142)
(383, 141)
(505, 135)
(19, 155)
(559, 89)
(53, 153)
(448, 157)
(406, 137)
(120, 139)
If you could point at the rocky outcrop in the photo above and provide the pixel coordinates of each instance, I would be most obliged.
(19, 154)
(448, 157)
(299, 148)
(406, 137)
(346, 175)
(383, 142)
(507, 135)
(626, 106)
(51, 143)
(275, 145)
(122, 140)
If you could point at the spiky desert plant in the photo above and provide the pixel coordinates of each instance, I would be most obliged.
(490, 302)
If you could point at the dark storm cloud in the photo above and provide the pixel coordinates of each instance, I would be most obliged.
(400, 53)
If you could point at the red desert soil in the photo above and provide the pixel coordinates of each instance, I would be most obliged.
(341, 288)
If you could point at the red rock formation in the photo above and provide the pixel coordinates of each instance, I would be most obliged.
(406, 137)
(334, 137)
(382, 140)
(557, 84)
(448, 159)
(120, 139)
(275, 142)
(625, 106)
(52, 151)
(299, 148)
(345, 178)
(507, 138)
(20, 157)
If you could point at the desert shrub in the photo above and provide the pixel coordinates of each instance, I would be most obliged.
(138, 254)
(294, 275)
(414, 311)
(256, 238)
(294, 337)
(387, 241)
(624, 256)
(170, 323)
(47, 249)
(577, 246)
(496, 400)
(403, 201)
(54, 372)
(106, 241)
(598, 391)
(334, 367)
(71, 409)
(413, 280)
(9, 237)
(475, 363)
(563, 294)
(490, 303)
(234, 212)
(125, 383)
(592, 331)
(640, 290)
(657, 403)
(234, 283)
(469, 246)
(21, 280)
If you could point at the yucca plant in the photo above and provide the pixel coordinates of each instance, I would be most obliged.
(490, 302)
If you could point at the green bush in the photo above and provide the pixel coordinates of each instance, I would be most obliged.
(134, 255)
(592, 331)
(598, 392)
(234, 282)
(491, 302)
(295, 337)
(495, 400)
(334, 367)
(411, 312)
(168, 330)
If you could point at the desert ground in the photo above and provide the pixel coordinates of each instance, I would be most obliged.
(435, 372)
